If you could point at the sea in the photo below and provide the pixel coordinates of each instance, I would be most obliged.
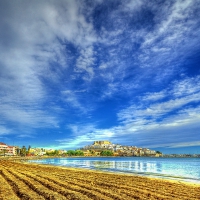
(181, 169)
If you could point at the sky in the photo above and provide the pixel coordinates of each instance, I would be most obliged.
(76, 71)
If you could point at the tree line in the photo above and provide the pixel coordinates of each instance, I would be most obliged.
(26, 151)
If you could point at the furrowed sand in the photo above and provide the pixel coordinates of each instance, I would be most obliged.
(33, 181)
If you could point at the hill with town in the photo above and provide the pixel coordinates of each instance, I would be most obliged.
(98, 148)
(118, 150)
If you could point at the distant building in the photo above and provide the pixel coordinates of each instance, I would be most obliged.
(11, 150)
(117, 149)
(7, 150)
(3, 147)
(104, 142)
(37, 151)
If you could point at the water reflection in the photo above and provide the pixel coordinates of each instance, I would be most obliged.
(156, 166)
(127, 166)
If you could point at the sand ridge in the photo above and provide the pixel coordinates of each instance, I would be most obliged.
(33, 181)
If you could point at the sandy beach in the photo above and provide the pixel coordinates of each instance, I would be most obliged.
(33, 181)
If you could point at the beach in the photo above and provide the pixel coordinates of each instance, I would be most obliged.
(33, 181)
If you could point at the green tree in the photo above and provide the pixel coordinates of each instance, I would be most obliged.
(29, 147)
(3, 152)
(75, 153)
(28, 150)
(18, 150)
(56, 153)
(53, 153)
(79, 153)
(106, 153)
(158, 152)
(23, 151)
(92, 152)
(71, 153)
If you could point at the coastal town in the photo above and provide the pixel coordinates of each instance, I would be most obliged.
(23, 179)
(98, 148)
(118, 150)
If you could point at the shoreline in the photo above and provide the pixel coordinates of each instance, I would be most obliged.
(39, 181)
(186, 180)
(142, 174)
(146, 175)
(158, 177)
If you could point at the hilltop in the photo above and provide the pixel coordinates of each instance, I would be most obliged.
(118, 150)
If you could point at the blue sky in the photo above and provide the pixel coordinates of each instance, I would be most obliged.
(72, 72)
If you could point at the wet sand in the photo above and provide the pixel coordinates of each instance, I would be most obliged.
(33, 181)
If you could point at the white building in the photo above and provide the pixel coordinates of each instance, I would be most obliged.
(3, 147)
(7, 150)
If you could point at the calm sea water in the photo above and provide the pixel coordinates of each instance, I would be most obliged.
(186, 169)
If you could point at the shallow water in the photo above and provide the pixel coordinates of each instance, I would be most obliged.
(183, 169)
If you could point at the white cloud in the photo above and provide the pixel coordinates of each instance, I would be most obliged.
(185, 144)
(187, 86)
(156, 54)
(179, 129)
(103, 66)
(177, 144)
(32, 117)
(73, 98)
(172, 37)
(154, 96)
(172, 17)
(133, 5)
(176, 97)
(38, 36)
(85, 62)
(4, 130)
(84, 135)
(174, 119)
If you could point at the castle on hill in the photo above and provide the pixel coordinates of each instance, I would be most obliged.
(117, 149)
(104, 142)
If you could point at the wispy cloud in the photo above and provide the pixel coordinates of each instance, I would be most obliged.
(186, 144)
(68, 61)
(152, 121)
(37, 43)
(4, 130)
(85, 63)
(155, 96)
(84, 134)
(167, 119)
